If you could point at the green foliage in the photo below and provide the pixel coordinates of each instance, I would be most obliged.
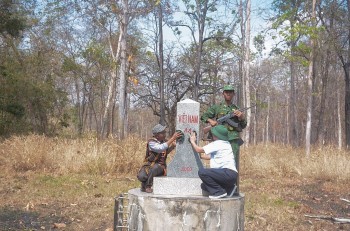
(215, 56)
(259, 41)
(11, 22)
(14, 108)
(29, 99)
(177, 31)
(64, 121)
(294, 24)
(69, 65)
(96, 52)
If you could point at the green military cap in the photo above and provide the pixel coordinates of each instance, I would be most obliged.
(228, 88)
(220, 131)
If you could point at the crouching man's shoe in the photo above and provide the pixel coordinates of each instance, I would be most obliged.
(149, 190)
(218, 196)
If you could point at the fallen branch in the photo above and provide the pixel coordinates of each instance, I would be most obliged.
(333, 219)
(343, 199)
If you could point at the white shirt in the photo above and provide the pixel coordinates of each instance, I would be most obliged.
(221, 154)
(157, 146)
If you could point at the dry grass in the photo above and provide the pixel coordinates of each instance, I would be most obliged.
(42, 154)
(52, 155)
(55, 180)
(323, 163)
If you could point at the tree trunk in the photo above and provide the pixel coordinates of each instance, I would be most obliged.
(122, 71)
(112, 82)
(292, 105)
(347, 87)
(214, 86)
(161, 66)
(78, 105)
(201, 13)
(320, 127)
(347, 109)
(239, 94)
(254, 118)
(347, 101)
(267, 120)
(109, 104)
(310, 88)
(111, 117)
(247, 73)
(340, 137)
(171, 119)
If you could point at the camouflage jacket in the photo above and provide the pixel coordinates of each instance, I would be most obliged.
(218, 110)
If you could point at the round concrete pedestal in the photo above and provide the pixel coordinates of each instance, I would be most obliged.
(149, 212)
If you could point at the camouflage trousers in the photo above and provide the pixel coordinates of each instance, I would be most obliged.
(235, 148)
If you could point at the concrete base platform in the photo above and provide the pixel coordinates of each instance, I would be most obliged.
(150, 212)
(177, 186)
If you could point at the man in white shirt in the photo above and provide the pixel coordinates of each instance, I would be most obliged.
(220, 179)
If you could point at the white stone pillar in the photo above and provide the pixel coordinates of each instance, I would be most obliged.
(186, 161)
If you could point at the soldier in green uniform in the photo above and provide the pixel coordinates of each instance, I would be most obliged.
(218, 110)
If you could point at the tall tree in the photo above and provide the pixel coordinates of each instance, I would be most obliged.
(288, 19)
(115, 18)
(346, 67)
(240, 83)
(12, 23)
(123, 23)
(338, 29)
(205, 21)
(247, 71)
(28, 73)
(310, 82)
(161, 64)
(109, 22)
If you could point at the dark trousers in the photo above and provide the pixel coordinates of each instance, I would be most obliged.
(217, 181)
(155, 170)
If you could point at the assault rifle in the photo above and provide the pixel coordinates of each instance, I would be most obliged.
(230, 119)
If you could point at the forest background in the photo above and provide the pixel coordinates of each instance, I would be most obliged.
(115, 68)
(83, 82)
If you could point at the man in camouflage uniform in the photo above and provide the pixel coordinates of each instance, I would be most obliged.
(218, 110)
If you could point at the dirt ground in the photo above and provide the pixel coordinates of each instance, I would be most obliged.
(33, 201)
(295, 203)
